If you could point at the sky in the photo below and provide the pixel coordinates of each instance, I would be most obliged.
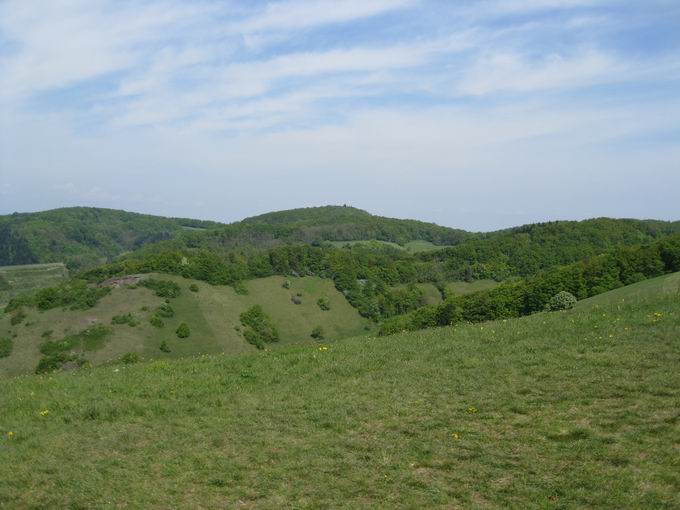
(471, 114)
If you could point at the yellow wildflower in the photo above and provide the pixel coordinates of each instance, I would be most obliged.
(10, 435)
(323, 348)
(472, 410)
(455, 436)
(44, 413)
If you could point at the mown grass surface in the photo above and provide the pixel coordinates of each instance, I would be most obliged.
(212, 314)
(576, 409)
(15, 280)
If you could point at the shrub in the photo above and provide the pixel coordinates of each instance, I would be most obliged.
(76, 295)
(164, 346)
(286, 284)
(183, 330)
(52, 362)
(561, 301)
(166, 311)
(240, 288)
(296, 300)
(88, 339)
(6, 346)
(259, 329)
(127, 318)
(317, 333)
(129, 357)
(156, 321)
(324, 304)
(162, 288)
(193, 287)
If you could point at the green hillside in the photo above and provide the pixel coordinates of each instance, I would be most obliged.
(557, 410)
(15, 280)
(645, 290)
(82, 236)
(526, 250)
(212, 313)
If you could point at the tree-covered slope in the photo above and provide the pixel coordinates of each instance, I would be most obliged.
(82, 236)
(560, 410)
(525, 250)
(327, 223)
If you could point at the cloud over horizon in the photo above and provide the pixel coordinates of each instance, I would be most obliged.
(472, 114)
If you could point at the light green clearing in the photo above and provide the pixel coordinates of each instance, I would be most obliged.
(411, 246)
(27, 278)
(461, 288)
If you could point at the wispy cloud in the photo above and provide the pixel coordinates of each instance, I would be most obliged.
(402, 87)
(297, 14)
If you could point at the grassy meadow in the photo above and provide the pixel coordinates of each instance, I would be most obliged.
(577, 409)
(15, 280)
(461, 288)
(411, 246)
(212, 314)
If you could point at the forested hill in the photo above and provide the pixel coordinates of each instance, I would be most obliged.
(344, 223)
(522, 251)
(82, 236)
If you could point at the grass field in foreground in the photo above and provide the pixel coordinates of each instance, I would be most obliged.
(576, 409)
(15, 280)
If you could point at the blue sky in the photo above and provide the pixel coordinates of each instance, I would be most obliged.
(474, 114)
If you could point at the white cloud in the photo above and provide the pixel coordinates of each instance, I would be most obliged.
(297, 14)
(512, 72)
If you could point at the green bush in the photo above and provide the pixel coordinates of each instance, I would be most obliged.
(318, 333)
(156, 321)
(162, 288)
(324, 304)
(52, 362)
(88, 339)
(129, 357)
(561, 301)
(76, 295)
(127, 318)
(166, 311)
(259, 329)
(164, 346)
(6, 346)
(183, 330)
(193, 287)
(240, 288)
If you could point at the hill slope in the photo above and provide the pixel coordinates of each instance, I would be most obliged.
(646, 290)
(212, 313)
(564, 410)
(82, 236)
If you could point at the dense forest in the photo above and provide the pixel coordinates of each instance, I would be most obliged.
(82, 236)
(524, 296)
